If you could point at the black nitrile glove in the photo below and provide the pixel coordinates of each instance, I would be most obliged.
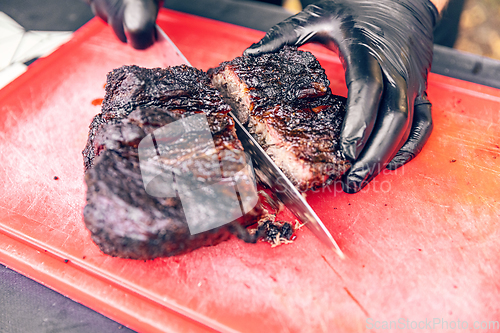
(133, 21)
(386, 49)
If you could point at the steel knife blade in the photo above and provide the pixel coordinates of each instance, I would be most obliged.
(272, 176)
(162, 38)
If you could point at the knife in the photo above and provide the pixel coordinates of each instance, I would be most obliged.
(162, 38)
(271, 175)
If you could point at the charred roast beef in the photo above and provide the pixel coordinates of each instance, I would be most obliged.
(283, 98)
(124, 219)
(285, 101)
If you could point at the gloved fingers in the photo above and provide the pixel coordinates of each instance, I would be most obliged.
(420, 132)
(278, 36)
(100, 9)
(295, 30)
(389, 133)
(110, 12)
(365, 85)
(139, 19)
(116, 23)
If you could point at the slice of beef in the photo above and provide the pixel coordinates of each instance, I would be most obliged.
(128, 219)
(285, 101)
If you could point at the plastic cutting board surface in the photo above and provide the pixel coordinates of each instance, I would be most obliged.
(422, 242)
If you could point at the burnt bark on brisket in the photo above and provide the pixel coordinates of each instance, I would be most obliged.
(124, 220)
(285, 101)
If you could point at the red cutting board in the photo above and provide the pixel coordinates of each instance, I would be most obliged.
(422, 242)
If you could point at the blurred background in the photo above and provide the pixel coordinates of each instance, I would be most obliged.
(478, 29)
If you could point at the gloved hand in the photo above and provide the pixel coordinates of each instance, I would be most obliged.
(133, 21)
(386, 50)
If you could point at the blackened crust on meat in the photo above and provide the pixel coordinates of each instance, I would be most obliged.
(117, 209)
(123, 219)
(285, 101)
(286, 77)
(126, 222)
(181, 91)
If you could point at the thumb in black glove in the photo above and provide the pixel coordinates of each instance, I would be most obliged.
(386, 50)
(133, 21)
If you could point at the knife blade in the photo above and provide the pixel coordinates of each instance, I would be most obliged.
(162, 38)
(271, 175)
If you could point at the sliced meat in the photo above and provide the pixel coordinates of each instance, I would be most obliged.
(129, 158)
(285, 101)
(136, 146)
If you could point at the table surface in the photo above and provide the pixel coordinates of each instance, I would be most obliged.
(420, 241)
